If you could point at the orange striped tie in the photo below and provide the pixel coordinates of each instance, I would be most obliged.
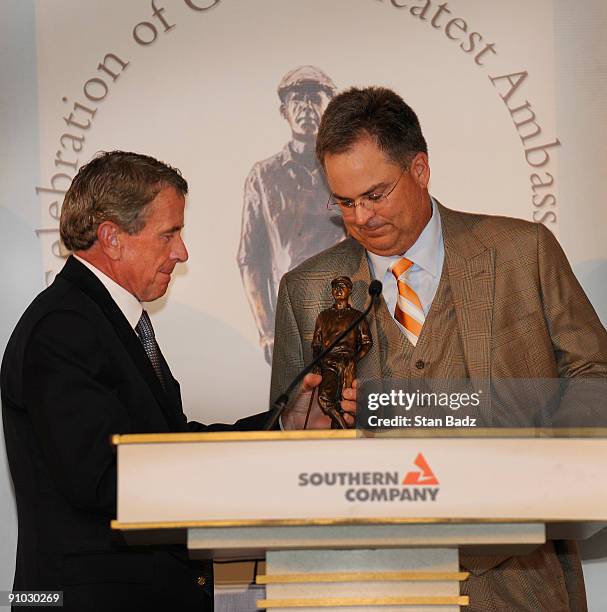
(408, 311)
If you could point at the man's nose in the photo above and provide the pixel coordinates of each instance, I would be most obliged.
(362, 214)
(180, 252)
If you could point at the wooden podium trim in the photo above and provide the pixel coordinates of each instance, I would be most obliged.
(235, 436)
(493, 432)
(320, 522)
(362, 577)
(351, 434)
(338, 602)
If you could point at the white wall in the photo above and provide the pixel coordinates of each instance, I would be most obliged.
(21, 261)
(582, 125)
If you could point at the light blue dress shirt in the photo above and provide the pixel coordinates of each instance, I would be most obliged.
(427, 255)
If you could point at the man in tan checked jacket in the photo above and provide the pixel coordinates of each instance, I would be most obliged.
(465, 296)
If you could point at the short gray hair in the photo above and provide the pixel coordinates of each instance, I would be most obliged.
(114, 186)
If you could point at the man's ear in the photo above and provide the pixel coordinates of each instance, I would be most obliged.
(108, 235)
(420, 170)
(283, 110)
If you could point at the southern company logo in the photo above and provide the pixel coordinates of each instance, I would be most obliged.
(418, 485)
(425, 477)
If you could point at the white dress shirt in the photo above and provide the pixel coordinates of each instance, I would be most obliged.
(129, 305)
(427, 255)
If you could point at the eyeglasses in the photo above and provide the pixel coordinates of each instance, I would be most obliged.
(370, 201)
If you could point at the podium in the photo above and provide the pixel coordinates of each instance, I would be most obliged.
(348, 522)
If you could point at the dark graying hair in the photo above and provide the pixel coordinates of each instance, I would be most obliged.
(114, 186)
(376, 112)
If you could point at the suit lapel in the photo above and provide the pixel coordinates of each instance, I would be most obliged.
(370, 367)
(76, 273)
(471, 268)
(173, 394)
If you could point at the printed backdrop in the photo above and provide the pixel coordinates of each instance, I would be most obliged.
(194, 83)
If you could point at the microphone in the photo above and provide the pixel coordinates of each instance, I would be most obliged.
(278, 407)
(375, 288)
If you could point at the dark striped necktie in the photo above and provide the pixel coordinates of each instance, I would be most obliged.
(145, 331)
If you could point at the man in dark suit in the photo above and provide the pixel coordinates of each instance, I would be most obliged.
(464, 297)
(83, 364)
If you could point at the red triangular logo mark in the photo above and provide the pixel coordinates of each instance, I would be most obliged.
(425, 477)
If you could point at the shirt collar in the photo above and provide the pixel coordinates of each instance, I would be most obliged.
(423, 253)
(289, 156)
(129, 305)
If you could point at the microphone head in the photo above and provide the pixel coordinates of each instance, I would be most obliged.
(375, 288)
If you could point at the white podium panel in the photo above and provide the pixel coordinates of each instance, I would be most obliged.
(355, 523)
(255, 477)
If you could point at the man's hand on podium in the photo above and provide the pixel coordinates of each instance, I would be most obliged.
(295, 417)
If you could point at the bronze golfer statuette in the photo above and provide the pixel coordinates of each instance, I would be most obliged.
(338, 368)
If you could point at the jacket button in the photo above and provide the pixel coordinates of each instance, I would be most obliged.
(201, 581)
(420, 365)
